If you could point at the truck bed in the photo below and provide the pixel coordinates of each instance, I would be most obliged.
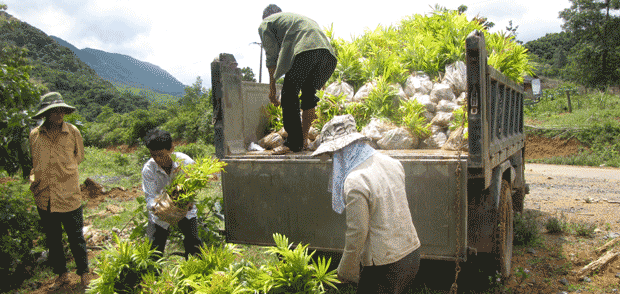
(408, 154)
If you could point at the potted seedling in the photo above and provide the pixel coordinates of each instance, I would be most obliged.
(178, 197)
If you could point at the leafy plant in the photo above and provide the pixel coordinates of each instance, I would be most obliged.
(525, 229)
(274, 115)
(380, 100)
(411, 116)
(460, 119)
(555, 225)
(20, 231)
(189, 179)
(122, 265)
(294, 273)
(328, 107)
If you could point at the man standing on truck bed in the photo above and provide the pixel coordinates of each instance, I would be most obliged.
(296, 46)
(380, 233)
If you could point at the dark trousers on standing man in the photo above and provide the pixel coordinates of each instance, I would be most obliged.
(73, 222)
(393, 278)
(309, 72)
(191, 241)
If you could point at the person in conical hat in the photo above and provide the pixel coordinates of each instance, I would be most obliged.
(370, 187)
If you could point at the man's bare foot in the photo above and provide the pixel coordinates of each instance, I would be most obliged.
(60, 281)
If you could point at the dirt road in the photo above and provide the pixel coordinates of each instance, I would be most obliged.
(579, 194)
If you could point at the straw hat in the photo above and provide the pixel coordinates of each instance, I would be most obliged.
(337, 133)
(49, 101)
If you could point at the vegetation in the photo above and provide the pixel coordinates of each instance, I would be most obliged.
(22, 240)
(593, 122)
(216, 270)
(425, 43)
(192, 178)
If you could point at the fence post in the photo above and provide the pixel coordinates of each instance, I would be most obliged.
(570, 107)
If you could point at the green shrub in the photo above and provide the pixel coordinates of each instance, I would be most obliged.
(525, 229)
(583, 229)
(19, 230)
(294, 273)
(196, 150)
(554, 225)
(122, 265)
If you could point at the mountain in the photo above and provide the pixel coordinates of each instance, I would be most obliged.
(58, 68)
(124, 69)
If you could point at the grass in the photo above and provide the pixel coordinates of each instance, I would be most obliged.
(594, 121)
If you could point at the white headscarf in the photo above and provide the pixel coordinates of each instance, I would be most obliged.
(344, 161)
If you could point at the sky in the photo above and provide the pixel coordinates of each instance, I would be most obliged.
(184, 36)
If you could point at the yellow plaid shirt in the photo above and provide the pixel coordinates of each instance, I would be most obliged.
(54, 175)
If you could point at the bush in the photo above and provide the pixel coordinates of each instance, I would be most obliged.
(196, 150)
(525, 229)
(19, 230)
(554, 225)
(583, 229)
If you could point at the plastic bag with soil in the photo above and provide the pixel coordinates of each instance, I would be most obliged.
(166, 210)
(271, 141)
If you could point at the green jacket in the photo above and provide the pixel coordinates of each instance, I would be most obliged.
(285, 35)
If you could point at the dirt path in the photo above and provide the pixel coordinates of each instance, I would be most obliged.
(554, 190)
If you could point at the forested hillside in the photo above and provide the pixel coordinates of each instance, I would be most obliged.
(57, 68)
(119, 68)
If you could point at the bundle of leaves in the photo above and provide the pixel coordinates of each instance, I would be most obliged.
(189, 179)
(411, 116)
(122, 266)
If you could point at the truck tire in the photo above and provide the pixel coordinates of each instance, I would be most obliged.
(504, 231)
(518, 199)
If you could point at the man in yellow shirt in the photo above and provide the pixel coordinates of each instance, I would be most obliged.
(57, 149)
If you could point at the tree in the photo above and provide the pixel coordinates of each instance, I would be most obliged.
(247, 74)
(18, 96)
(594, 25)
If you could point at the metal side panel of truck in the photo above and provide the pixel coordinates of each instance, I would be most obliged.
(452, 211)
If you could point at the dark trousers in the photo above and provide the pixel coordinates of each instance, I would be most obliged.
(73, 222)
(191, 242)
(309, 72)
(393, 278)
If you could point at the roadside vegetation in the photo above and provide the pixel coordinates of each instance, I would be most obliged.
(593, 120)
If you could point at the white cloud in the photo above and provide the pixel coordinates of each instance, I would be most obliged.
(184, 36)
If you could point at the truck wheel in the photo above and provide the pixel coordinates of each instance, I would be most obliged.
(504, 232)
(518, 199)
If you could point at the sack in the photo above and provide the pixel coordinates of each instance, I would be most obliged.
(166, 210)
(271, 141)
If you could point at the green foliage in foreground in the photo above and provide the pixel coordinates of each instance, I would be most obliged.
(217, 269)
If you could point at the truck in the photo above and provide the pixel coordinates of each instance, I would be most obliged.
(461, 202)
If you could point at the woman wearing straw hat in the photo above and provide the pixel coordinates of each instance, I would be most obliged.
(380, 233)
(57, 149)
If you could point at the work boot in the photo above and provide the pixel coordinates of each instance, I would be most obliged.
(60, 281)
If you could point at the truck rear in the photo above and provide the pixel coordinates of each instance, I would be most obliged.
(460, 202)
